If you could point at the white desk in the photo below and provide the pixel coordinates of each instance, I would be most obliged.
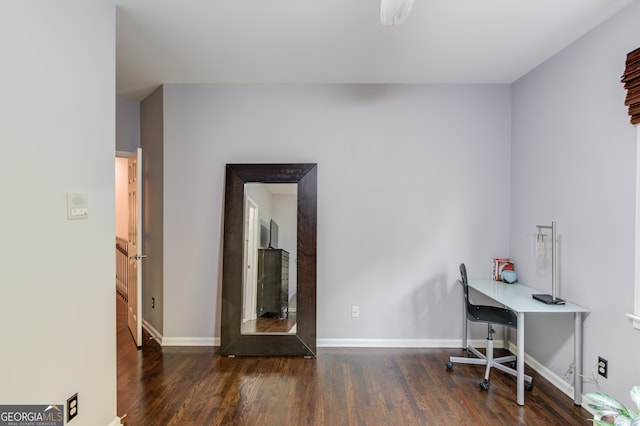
(517, 297)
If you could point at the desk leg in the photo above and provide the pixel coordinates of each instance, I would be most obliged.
(505, 337)
(464, 325)
(577, 358)
(520, 359)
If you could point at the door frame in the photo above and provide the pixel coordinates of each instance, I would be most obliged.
(126, 155)
(134, 275)
(250, 285)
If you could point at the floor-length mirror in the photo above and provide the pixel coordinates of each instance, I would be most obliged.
(269, 260)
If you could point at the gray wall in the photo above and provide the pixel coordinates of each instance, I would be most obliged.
(412, 181)
(127, 125)
(573, 162)
(57, 127)
(285, 213)
(153, 226)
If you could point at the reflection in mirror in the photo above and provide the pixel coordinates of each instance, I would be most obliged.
(270, 247)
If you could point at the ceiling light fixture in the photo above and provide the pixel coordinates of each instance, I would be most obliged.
(394, 12)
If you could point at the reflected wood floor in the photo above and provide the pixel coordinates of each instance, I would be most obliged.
(341, 386)
(270, 325)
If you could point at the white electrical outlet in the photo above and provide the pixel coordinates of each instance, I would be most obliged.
(355, 311)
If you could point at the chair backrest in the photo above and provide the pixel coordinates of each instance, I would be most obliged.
(482, 313)
(472, 310)
(465, 281)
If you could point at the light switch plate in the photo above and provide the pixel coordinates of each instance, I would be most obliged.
(77, 205)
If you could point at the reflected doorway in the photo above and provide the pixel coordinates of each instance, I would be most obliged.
(252, 225)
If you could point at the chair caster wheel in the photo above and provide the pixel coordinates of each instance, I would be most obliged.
(484, 385)
(449, 365)
(528, 386)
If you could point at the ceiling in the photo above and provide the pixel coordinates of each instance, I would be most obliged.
(341, 41)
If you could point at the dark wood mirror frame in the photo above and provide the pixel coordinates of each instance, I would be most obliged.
(232, 341)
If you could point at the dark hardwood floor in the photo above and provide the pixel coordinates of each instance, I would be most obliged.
(341, 386)
(270, 325)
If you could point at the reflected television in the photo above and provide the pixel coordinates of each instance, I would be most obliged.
(273, 234)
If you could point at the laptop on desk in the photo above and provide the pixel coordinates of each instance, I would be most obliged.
(548, 299)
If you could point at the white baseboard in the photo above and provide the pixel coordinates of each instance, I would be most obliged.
(331, 343)
(190, 341)
(402, 343)
(155, 334)
(179, 341)
(556, 380)
(115, 422)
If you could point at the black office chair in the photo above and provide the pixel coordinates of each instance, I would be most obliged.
(490, 315)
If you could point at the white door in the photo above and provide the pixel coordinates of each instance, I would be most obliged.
(134, 284)
(252, 225)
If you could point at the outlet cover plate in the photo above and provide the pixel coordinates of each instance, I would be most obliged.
(72, 407)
